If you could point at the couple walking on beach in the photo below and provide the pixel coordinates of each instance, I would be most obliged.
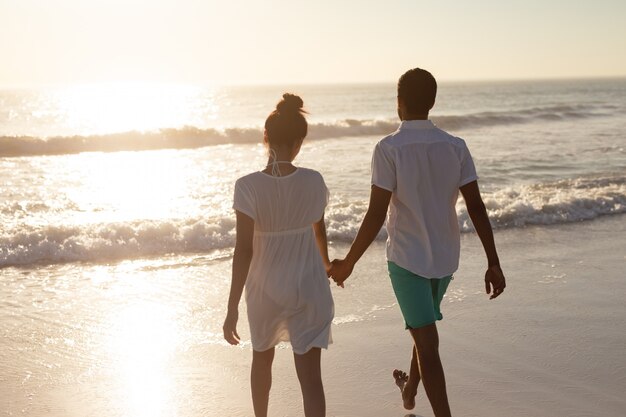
(281, 253)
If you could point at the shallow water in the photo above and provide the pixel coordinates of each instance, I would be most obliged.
(143, 337)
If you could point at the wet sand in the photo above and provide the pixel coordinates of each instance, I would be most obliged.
(551, 345)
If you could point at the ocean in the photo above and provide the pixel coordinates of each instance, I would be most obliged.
(75, 190)
(115, 204)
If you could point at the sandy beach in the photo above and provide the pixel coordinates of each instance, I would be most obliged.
(552, 345)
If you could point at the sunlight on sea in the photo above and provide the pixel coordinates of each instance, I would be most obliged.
(120, 107)
(131, 185)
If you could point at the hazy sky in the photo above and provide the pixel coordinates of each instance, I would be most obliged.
(292, 41)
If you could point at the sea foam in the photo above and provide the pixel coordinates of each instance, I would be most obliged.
(548, 203)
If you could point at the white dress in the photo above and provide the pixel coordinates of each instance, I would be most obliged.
(287, 290)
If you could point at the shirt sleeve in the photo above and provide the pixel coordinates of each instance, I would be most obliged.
(383, 169)
(244, 199)
(468, 170)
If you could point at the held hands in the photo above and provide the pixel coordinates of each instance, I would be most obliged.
(494, 281)
(340, 270)
(230, 328)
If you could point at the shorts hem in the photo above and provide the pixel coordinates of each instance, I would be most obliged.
(427, 323)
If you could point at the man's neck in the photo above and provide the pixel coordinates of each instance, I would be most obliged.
(409, 117)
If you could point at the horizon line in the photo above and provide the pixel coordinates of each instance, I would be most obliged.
(53, 85)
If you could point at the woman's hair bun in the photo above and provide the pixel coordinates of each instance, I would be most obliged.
(290, 103)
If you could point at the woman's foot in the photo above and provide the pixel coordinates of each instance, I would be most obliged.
(408, 394)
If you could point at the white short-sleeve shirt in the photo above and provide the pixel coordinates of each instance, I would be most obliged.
(423, 167)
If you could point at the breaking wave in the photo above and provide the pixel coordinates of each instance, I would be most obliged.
(192, 137)
(550, 203)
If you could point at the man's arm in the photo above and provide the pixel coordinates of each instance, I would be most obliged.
(241, 264)
(494, 278)
(373, 221)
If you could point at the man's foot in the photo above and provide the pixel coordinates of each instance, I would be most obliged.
(408, 395)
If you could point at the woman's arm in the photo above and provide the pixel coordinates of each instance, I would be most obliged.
(322, 241)
(241, 265)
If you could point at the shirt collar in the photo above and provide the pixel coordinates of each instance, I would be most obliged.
(416, 124)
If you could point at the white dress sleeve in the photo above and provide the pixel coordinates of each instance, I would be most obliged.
(244, 200)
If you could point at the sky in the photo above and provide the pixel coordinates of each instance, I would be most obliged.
(291, 41)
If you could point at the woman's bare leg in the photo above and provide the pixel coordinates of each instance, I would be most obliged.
(310, 376)
(261, 380)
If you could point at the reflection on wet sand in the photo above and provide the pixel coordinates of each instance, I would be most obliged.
(142, 344)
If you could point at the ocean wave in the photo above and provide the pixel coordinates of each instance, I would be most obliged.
(512, 207)
(558, 202)
(564, 201)
(113, 241)
(190, 137)
(545, 113)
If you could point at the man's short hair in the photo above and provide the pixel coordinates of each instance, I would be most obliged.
(417, 88)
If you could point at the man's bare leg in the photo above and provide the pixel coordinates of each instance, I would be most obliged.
(408, 383)
(261, 380)
(310, 376)
(430, 369)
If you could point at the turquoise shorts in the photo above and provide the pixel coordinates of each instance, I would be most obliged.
(419, 298)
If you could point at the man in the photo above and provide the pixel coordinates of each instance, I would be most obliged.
(417, 173)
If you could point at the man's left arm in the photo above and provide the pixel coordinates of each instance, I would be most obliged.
(495, 282)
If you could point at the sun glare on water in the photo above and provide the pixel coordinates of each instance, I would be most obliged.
(146, 337)
(132, 186)
(122, 107)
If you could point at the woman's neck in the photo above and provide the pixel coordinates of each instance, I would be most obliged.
(283, 159)
(282, 155)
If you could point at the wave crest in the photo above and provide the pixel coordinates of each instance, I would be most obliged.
(550, 203)
(190, 137)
